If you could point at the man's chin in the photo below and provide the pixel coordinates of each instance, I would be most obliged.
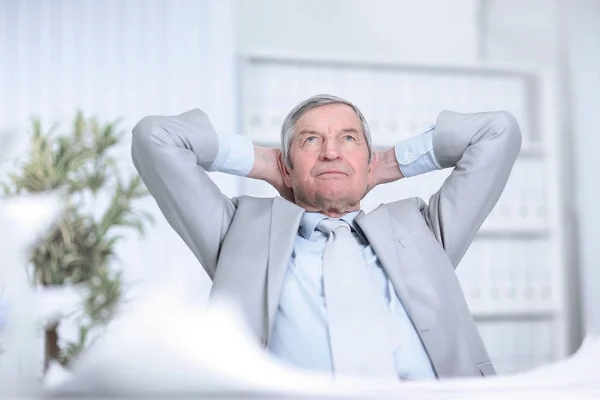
(339, 201)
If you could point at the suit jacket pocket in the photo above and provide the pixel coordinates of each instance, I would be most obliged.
(486, 369)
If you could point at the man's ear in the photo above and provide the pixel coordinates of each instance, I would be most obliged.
(285, 173)
(371, 173)
(372, 165)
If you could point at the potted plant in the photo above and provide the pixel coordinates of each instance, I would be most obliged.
(81, 247)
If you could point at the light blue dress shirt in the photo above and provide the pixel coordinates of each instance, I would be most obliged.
(300, 332)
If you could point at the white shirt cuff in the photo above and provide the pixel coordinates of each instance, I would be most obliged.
(415, 155)
(235, 155)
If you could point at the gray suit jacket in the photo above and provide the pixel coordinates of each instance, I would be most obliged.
(245, 243)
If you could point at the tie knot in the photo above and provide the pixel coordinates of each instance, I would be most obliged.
(329, 225)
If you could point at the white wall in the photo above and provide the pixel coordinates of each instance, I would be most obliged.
(520, 31)
(532, 32)
(582, 23)
(563, 35)
(399, 30)
(120, 59)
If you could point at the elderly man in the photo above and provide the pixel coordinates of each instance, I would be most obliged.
(323, 285)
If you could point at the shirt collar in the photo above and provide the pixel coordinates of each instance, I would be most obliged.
(310, 220)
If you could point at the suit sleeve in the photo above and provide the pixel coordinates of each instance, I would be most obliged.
(482, 149)
(172, 155)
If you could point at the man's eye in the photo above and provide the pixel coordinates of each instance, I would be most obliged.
(349, 138)
(311, 139)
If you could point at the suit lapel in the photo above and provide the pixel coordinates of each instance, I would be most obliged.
(285, 220)
(378, 229)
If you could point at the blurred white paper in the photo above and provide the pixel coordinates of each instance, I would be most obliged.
(23, 220)
(164, 346)
(161, 347)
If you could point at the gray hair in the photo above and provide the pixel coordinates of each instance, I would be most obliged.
(287, 128)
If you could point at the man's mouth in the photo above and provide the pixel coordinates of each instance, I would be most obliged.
(331, 173)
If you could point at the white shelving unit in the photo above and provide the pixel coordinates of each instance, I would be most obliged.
(513, 275)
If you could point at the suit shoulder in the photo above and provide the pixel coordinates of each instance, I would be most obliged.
(410, 205)
(253, 202)
(406, 216)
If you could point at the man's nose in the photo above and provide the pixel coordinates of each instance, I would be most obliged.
(330, 151)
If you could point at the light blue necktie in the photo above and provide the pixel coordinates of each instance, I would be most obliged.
(358, 331)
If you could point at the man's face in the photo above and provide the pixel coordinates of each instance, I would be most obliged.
(330, 160)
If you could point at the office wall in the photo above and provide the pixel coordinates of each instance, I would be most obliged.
(520, 31)
(120, 59)
(533, 33)
(397, 30)
(582, 31)
(563, 35)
